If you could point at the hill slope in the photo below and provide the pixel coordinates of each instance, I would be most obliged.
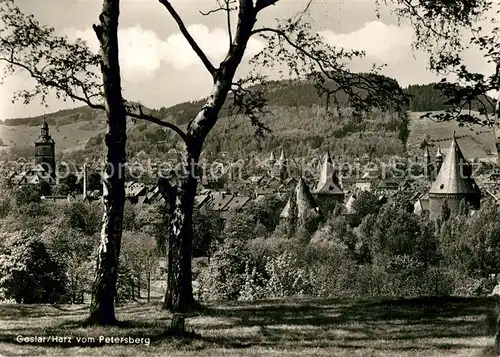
(297, 118)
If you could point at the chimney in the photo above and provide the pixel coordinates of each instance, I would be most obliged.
(85, 181)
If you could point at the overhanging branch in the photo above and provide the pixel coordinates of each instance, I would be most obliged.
(290, 42)
(152, 119)
(262, 4)
(203, 57)
(50, 83)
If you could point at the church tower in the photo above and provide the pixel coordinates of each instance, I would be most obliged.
(453, 184)
(329, 188)
(280, 167)
(45, 150)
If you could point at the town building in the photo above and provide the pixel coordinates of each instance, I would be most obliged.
(453, 184)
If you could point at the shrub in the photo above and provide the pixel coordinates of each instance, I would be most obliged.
(29, 274)
(254, 284)
(84, 217)
(223, 279)
(286, 277)
(5, 206)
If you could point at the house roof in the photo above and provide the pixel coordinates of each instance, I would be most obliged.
(136, 189)
(420, 205)
(200, 200)
(255, 179)
(453, 177)
(219, 202)
(237, 202)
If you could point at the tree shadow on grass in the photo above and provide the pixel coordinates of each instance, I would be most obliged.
(385, 325)
(404, 323)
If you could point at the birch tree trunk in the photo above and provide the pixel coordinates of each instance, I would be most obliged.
(179, 293)
(102, 309)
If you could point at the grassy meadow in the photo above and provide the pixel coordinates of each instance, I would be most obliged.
(474, 140)
(289, 327)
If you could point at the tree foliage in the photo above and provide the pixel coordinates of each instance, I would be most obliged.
(29, 274)
(445, 29)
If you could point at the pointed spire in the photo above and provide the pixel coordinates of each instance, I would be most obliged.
(454, 175)
(305, 202)
(426, 152)
(439, 153)
(329, 182)
(44, 131)
(281, 170)
(282, 156)
(272, 158)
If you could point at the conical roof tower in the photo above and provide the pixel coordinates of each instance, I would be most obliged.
(453, 183)
(329, 183)
(272, 159)
(454, 177)
(304, 202)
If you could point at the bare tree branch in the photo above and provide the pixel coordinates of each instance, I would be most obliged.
(262, 4)
(51, 83)
(131, 112)
(228, 17)
(203, 57)
(227, 8)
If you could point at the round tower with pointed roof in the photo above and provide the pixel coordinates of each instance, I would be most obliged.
(329, 191)
(453, 184)
(45, 154)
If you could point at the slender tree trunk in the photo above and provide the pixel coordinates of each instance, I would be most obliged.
(139, 286)
(179, 293)
(102, 309)
(149, 285)
(496, 129)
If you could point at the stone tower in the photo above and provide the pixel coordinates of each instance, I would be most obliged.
(279, 169)
(300, 207)
(329, 189)
(45, 154)
(453, 184)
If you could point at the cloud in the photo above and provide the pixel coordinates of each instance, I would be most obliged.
(379, 41)
(142, 52)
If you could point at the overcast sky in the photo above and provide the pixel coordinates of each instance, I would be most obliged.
(160, 69)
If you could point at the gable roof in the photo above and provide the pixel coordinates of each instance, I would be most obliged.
(237, 202)
(200, 200)
(219, 201)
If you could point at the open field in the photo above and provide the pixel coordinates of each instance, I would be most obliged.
(67, 137)
(291, 327)
(474, 140)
